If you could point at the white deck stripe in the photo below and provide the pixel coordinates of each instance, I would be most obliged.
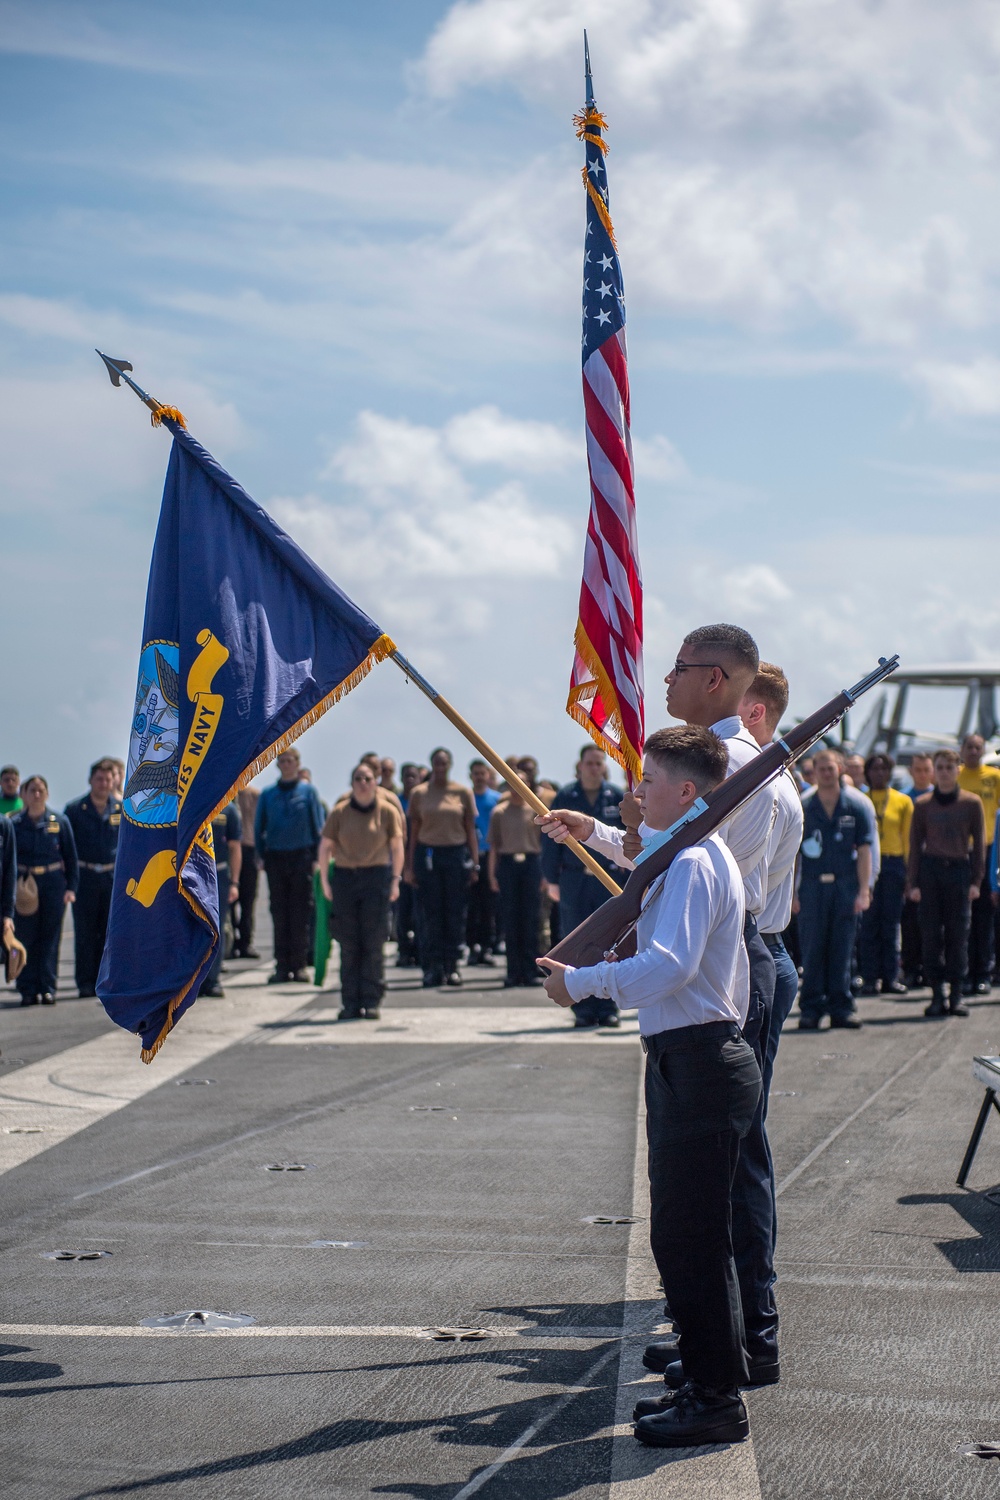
(295, 1331)
(640, 1473)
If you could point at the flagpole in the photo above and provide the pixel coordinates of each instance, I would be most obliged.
(116, 369)
(499, 765)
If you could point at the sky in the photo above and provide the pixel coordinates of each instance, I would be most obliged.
(347, 240)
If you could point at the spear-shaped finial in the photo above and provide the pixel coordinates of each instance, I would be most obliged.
(586, 69)
(117, 368)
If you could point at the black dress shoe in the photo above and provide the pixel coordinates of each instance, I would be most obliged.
(454, 980)
(431, 981)
(955, 1006)
(584, 1023)
(249, 953)
(983, 987)
(807, 1024)
(48, 998)
(371, 1013)
(936, 1008)
(695, 1417)
(213, 991)
(648, 1406)
(301, 976)
(845, 1023)
(764, 1370)
(349, 1015)
(868, 991)
(661, 1353)
(510, 983)
(278, 977)
(86, 994)
(613, 1021)
(897, 987)
(30, 999)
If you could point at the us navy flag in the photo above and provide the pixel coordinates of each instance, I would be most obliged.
(246, 642)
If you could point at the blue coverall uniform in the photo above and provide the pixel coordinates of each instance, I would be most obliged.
(47, 850)
(96, 837)
(827, 893)
(581, 893)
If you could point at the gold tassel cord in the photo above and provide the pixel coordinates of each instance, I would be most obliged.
(600, 205)
(158, 412)
(590, 117)
(382, 648)
(596, 140)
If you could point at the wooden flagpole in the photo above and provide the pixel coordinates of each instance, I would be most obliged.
(500, 766)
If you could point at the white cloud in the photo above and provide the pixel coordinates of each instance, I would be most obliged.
(421, 516)
(815, 160)
(963, 390)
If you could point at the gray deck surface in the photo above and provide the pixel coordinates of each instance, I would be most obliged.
(471, 1216)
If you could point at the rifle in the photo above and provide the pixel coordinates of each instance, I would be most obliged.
(610, 930)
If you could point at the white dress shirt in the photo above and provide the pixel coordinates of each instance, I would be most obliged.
(691, 964)
(783, 846)
(747, 833)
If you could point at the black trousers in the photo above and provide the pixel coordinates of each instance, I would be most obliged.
(481, 918)
(980, 964)
(359, 915)
(753, 1182)
(40, 935)
(243, 910)
(944, 914)
(443, 889)
(702, 1089)
(289, 880)
(911, 956)
(90, 925)
(521, 900)
(880, 923)
(408, 924)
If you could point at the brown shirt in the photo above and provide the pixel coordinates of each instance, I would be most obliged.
(513, 829)
(952, 829)
(442, 813)
(360, 837)
(381, 794)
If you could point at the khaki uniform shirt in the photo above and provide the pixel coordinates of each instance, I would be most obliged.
(360, 837)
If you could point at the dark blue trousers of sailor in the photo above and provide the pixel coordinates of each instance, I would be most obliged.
(359, 914)
(443, 888)
(827, 924)
(880, 923)
(944, 918)
(580, 894)
(90, 925)
(40, 935)
(753, 1183)
(521, 900)
(786, 987)
(702, 1089)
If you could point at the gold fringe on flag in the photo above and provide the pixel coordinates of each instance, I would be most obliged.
(382, 648)
(628, 756)
(159, 412)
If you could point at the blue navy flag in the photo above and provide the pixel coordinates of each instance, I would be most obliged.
(246, 642)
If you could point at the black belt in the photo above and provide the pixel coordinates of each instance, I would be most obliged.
(773, 939)
(683, 1036)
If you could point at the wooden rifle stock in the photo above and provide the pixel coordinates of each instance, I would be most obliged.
(612, 926)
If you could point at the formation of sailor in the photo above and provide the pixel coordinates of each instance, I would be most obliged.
(704, 982)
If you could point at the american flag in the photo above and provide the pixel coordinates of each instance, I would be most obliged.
(606, 688)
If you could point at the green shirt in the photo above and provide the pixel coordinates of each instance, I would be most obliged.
(10, 804)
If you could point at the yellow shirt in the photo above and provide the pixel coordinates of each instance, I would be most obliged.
(893, 813)
(985, 782)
